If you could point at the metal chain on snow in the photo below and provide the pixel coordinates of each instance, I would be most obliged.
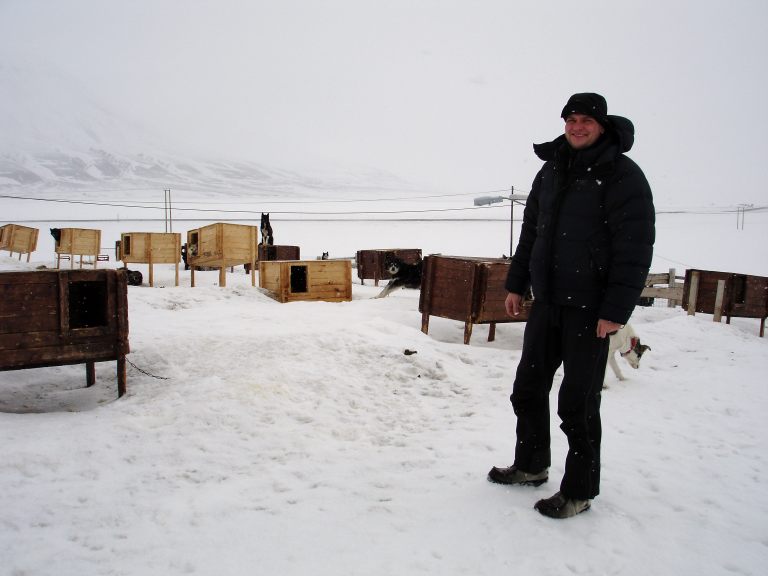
(145, 372)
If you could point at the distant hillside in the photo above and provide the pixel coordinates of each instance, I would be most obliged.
(54, 136)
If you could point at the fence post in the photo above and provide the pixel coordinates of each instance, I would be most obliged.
(671, 283)
(693, 293)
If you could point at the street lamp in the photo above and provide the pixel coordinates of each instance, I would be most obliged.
(513, 199)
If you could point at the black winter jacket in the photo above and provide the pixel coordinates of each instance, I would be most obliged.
(588, 227)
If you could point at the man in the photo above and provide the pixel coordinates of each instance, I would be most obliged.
(585, 250)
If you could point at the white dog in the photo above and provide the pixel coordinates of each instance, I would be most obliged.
(628, 345)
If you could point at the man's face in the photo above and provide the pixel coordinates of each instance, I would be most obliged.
(581, 131)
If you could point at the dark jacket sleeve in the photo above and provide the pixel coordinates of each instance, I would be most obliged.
(631, 223)
(519, 276)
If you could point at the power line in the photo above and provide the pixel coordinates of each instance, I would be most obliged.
(148, 206)
(306, 201)
(225, 211)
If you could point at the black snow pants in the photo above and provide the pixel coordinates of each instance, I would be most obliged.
(556, 335)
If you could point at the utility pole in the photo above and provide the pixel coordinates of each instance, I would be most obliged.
(513, 198)
(741, 209)
(167, 210)
(511, 221)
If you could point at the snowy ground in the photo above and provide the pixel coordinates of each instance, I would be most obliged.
(294, 439)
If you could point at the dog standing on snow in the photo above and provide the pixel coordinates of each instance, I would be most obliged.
(403, 275)
(628, 345)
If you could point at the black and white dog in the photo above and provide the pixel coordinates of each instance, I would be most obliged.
(404, 275)
(628, 345)
(267, 237)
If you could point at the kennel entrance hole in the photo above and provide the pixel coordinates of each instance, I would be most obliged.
(298, 279)
(87, 304)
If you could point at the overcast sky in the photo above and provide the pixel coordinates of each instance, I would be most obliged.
(447, 92)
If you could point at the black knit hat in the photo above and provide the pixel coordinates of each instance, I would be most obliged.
(587, 103)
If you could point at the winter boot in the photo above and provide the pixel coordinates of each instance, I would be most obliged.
(559, 506)
(513, 475)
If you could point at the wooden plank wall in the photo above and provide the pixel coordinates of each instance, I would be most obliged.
(17, 238)
(326, 280)
(35, 327)
(152, 247)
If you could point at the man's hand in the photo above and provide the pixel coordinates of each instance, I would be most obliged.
(512, 303)
(606, 328)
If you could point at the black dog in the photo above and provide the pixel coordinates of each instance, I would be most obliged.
(403, 275)
(266, 230)
(134, 277)
(184, 256)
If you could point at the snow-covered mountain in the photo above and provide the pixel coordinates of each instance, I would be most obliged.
(55, 136)
(97, 169)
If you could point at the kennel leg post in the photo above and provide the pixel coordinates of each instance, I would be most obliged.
(467, 331)
(121, 387)
(223, 277)
(425, 322)
(492, 332)
(694, 292)
(192, 276)
(177, 273)
(90, 374)
(718, 315)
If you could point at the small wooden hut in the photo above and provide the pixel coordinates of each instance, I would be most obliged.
(221, 246)
(470, 290)
(151, 248)
(371, 264)
(60, 317)
(294, 280)
(16, 238)
(71, 242)
(726, 293)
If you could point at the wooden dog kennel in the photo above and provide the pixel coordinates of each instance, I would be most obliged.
(151, 248)
(276, 252)
(470, 290)
(16, 238)
(222, 246)
(55, 318)
(726, 293)
(294, 280)
(73, 242)
(371, 264)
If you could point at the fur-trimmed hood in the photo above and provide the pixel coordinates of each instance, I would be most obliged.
(619, 130)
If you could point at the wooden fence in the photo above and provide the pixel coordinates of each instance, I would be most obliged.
(664, 286)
